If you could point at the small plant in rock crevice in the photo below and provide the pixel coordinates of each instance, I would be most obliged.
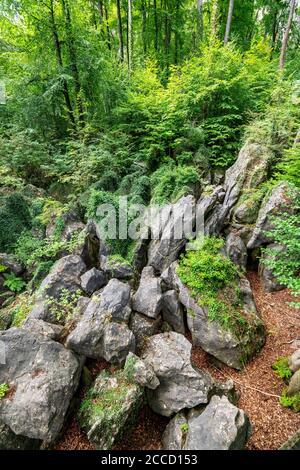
(64, 308)
(4, 388)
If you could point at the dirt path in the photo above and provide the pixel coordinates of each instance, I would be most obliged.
(272, 424)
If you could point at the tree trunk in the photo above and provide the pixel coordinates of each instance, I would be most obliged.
(59, 60)
(120, 30)
(156, 26)
(144, 26)
(214, 19)
(200, 18)
(229, 21)
(130, 37)
(107, 27)
(286, 35)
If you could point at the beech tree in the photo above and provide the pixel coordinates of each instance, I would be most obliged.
(286, 34)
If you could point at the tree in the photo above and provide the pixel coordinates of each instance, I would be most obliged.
(200, 18)
(229, 21)
(286, 34)
(120, 30)
(130, 36)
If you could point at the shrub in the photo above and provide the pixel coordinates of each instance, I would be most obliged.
(292, 402)
(4, 388)
(281, 368)
(169, 183)
(14, 219)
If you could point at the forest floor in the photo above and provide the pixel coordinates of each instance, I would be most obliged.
(258, 386)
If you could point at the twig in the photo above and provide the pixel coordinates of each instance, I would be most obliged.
(290, 342)
(248, 386)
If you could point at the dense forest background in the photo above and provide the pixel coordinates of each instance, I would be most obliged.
(144, 98)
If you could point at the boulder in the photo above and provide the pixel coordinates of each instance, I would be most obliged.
(42, 328)
(116, 268)
(275, 202)
(138, 371)
(148, 297)
(220, 426)
(109, 409)
(248, 172)
(143, 327)
(12, 265)
(101, 331)
(117, 342)
(10, 441)
(294, 385)
(176, 224)
(236, 250)
(172, 311)
(294, 361)
(181, 386)
(221, 343)
(93, 280)
(42, 377)
(267, 277)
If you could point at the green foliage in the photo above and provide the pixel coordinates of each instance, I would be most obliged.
(184, 428)
(21, 309)
(4, 388)
(289, 167)
(169, 183)
(281, 368)
(14, 283)
(292, 402)
(212, 280)
(14, 219)
(3, 268)
(64, 308)
(285, 264)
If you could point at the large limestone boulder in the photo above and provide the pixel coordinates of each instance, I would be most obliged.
(236, 250)
(233, 348)
(220, 426)
(278, 200)
(172, 311)
(294, 385)
(268, 279)
(294, 361)
(93, 280)
(102, 330)
(109, 409)
(170, 237)
(148, 298)
(10, 441)
(181, 386)
(116, 268)
(138, 371)
(11, 263)
(143, 327)
(42, 377)
(248, 172)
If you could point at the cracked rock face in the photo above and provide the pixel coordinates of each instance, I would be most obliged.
(148, 298)
(219, 426)
(181, 386)
(42, 377)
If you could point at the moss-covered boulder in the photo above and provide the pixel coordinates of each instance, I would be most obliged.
(109, 408)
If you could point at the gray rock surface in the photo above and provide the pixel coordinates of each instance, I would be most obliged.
(42, 376)
(141, 373)
(12, 265)
(294, 385)
(175, 433)
(267, 277)
(93, 280)
(115, 268)
(42, 328)
(294, 361)
(172, 311)
(236, 250)
(181, 386)
(148, 298)
(10, 441)
(143, 327)
(171, 238)
(110, 410)
(117, 342)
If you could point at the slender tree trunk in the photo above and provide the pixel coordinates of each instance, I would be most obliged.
(167, 32)
(120, 30)
(73, 59)
(286, 35)
(101, 18)
(144, 26)
(177, 38)
(229, 21)
(107, 27)
(214, 19)
(200, 18)
(156, 26)
(59, 60)
(130, 37)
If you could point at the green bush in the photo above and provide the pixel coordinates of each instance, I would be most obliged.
(14, 219)
(281, 368)
(292, 402)
(169, 183)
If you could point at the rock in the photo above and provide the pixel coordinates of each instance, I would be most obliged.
(181, 386)
(246, 211)
(115, 268)
(216, 220)
(93, 280)
(172, 311)
(143, 327)
(42, 328)
(221, 426)
(98, 333)
(65, 274)
(138, 371)
(236, 250)
(42, 376)
(228, 390)
(209, 200)
(12, 265)
(294, 361)
(268, 279)
(140, 254)
(248, 172)
(109, 409)
(210, 335)
(10, 441)
(294, 385)
(274, 203)
(175, 433)
(115, 300)
(148, 297)
(117, 342)
(166, 246)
